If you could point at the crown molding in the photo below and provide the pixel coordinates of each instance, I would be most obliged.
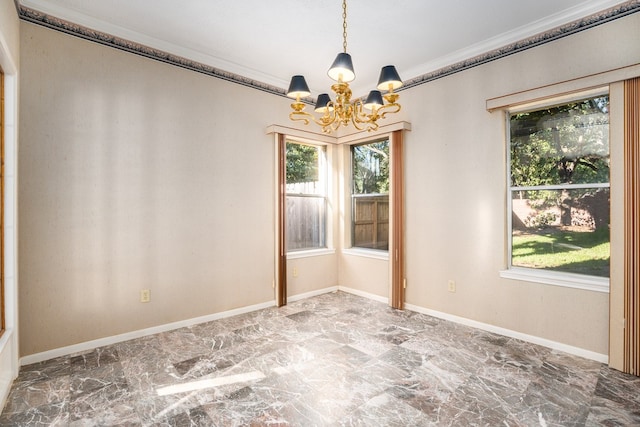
(45, 19)
(618, 11)
(593, 20)
(517, 35)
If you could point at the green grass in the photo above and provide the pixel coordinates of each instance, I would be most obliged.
(569, 251)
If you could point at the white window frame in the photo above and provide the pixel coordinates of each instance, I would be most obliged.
(570, 280)
(358, 250)
(325, 173)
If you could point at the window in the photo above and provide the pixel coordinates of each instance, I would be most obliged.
(306, 187)
(559, 188)
(370, 195)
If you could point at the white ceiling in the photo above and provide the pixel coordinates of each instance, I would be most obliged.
(269, 41)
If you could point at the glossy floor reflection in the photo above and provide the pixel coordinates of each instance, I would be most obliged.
(331, 360)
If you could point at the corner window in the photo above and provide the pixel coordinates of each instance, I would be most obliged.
(370, 195)
(306, 187)
(559, 188)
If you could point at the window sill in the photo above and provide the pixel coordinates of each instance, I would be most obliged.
(367, 253)
(567, 280)
(310, 253)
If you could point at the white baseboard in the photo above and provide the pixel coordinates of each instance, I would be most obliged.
(101, 342)
(312, 294)
(364, 294)
(339, 288)
(577, 351)
(90, 345)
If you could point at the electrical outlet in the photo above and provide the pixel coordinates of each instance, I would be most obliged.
(145, 295)
(452, 286)
(295, 272)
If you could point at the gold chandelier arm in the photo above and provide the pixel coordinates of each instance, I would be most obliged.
(302, 116)
(332, 127)
(328, 122)
(325, 121)
(356, 122)
(392, 109)
(370, 122)
(361, 117)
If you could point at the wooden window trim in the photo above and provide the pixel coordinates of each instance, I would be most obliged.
(281, 273)
(631, 352)
(397, 249)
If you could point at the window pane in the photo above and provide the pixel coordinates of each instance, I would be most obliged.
(371, 168)
(371, 222)
(305, 222)
(568, 144)
(370, 195)
(303, 169)
(562, 230)
(306, 196)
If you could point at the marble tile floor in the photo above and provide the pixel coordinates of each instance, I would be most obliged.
(331, 360)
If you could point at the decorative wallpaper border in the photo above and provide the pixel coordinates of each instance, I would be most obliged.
(36, 17)
(33, 16)
(591, 21)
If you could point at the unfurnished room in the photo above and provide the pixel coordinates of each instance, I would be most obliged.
(320, 213)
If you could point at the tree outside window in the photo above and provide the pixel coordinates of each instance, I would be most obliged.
(559, 185)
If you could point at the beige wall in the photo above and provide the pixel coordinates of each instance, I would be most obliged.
(137, 175)
(129, 179)
(9, 29)
(455, 165)
(364, 274)
(312, 274)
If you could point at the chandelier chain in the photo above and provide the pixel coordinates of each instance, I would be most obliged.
(344, 25)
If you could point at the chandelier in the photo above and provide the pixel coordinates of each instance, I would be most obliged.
(342, 111)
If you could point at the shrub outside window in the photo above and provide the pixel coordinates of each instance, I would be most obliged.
(370, 195)
(306, 187)
(559, 188)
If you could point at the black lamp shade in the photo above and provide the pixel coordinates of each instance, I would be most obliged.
(321, 103)
(298, 87)
(374, 100)
(389, 78)
(342, 68)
